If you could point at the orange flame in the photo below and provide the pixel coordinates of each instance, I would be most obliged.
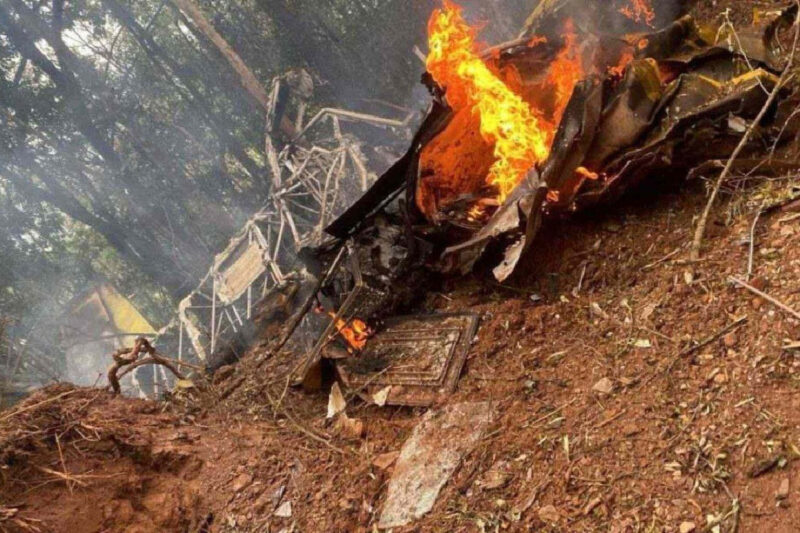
(536, 40)
(619, 70)
(586, 173)
(521, 137)
(476, 213)
(566, 71)
(640, 11)
(357, 333)
(520, 134)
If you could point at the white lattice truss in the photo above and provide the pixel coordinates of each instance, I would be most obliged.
(313, 178)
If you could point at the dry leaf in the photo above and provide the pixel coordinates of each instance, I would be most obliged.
(336, 401)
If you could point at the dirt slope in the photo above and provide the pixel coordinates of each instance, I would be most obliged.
(634, 392)
(664, 447)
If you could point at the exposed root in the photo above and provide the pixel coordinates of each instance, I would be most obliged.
(128, 360)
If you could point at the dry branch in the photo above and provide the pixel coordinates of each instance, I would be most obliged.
(767, 297)
(128, 359)
(702, 344)
(782, 80)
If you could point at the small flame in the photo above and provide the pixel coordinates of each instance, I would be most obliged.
(476, 213)
(356, 333)
(566, 71)
(536, 40)
(640, 11)
(587, 174)
(618, 71)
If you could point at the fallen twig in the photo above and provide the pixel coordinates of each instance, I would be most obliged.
(301, 428)
(767, 297)
(702, 344)
(128, 359)
(551, 413)
(662, 260)
(608, 421)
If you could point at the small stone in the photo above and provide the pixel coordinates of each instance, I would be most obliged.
(687, 527)
(496, 477)
(284, 511)
(598, 311)
(604, 386)
(385, 460)
(783, 490)
(729, 340)
(351, 428)
(241, 482)
(550, 514)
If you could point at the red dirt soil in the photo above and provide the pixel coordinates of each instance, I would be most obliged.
(703, 437)
(663, 448)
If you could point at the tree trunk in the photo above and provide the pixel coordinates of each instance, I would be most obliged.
(171, 70)
(246, 76)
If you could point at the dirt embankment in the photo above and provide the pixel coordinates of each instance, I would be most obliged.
(633, 391)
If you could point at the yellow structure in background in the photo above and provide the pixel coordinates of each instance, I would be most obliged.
(121, 312)
(98, 323)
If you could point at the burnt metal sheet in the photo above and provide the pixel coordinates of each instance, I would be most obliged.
(362, 301)
(667, 114)
(420, 357)
(393, 182)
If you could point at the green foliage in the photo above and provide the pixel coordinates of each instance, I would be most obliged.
(129, 151)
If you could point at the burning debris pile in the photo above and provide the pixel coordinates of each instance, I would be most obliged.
(591, 100)
(315, 168)
(559, 121)
(577, 111)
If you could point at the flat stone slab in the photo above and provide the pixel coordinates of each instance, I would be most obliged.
(429, 457)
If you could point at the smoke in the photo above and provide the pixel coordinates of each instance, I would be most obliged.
(603, 17)
(142, 174)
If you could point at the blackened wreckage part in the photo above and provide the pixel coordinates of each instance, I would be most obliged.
(418, 358)
(668, 112)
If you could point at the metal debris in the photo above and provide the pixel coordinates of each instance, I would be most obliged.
(417, 358)
(428, 459)
(667, 111)
(314, 176)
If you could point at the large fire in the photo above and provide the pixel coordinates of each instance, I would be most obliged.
(482, 96)
(520, 135)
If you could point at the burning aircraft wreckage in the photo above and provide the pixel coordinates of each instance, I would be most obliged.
(572, 114)
(592, 100)
(581, 108)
